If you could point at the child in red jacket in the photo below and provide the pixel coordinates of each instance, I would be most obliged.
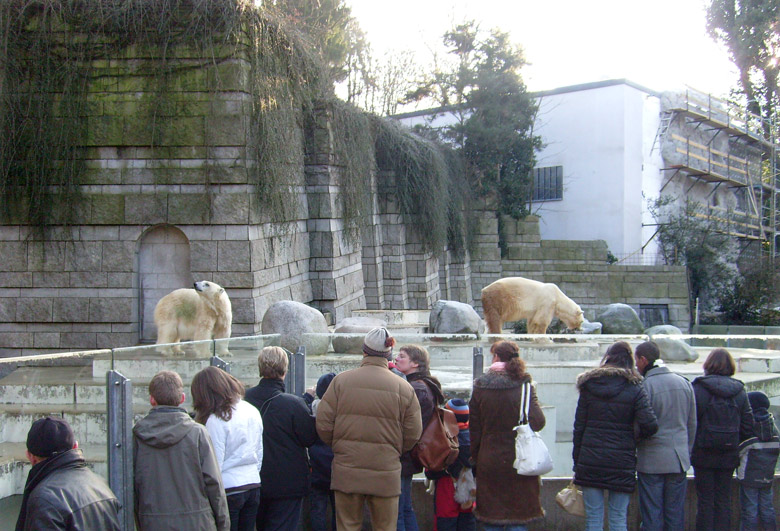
(450, 515)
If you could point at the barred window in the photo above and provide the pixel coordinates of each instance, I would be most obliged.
(548, 183)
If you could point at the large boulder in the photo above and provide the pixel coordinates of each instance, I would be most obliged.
(671, 349)
(453, 317)
(354, 325)
(620, 319)
(293, 320)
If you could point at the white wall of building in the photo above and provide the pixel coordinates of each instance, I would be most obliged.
(601, 137)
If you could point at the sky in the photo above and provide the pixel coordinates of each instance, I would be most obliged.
(661, 44)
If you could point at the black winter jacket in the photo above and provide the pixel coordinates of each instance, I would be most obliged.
(288, 429)
(758, 455)
(704, 387)
(611, 406)
(63, 493)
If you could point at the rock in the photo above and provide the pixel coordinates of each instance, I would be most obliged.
(671, 349)
(293, 320)
(620, 319)
(590, 328)
(675, 349)
(453, 317)
(666, 329)
(354, 325)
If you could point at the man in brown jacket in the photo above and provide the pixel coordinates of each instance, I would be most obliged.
(369, 416)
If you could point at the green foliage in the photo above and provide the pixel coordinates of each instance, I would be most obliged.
(751, 32)
(423, 181)
(55, 51)
(329, 25)
(753, 293)
(353, 145)
(702, 244)
(494, 114)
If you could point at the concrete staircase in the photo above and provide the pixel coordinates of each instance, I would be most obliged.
(78, 392)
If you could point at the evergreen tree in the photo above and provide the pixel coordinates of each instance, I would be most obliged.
(494, 113)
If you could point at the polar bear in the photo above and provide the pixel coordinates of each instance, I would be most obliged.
(515, 298)
(194, 314)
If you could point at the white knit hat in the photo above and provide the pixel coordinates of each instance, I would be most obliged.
(378, 342)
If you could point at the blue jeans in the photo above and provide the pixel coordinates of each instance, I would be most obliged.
(757, 508)
(594, 509)
(662, 501)
(406, 519)
(318, 509)
(713, 498)
(515, 527)
(242, 508)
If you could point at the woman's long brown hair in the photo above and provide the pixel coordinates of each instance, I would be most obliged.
(215, 392)
(509, 353)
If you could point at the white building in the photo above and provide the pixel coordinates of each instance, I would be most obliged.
(610, 146)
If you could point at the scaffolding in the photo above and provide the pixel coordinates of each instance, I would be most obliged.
(691, 148)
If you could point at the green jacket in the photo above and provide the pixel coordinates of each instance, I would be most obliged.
(168, 444)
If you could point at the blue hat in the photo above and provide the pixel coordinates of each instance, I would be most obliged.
(758, 400)
(323, 383)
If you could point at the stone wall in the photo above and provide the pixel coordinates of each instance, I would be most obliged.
(581, 270)
(184, 201)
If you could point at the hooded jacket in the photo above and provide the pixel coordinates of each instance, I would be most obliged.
(504, 497)
(178, 484)
(758, 455)
(612, 401)
(62, 493)
(705, 387)
(369, 416)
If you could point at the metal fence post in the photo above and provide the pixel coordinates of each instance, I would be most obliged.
(478, 363)
(119, 398)
(299, 371)
(219, 363)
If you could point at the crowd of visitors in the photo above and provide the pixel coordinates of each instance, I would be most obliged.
(249, 459)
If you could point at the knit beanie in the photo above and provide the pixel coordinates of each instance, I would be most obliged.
(758, 400)
(50, 436)
(461, 410)
(378, 342)
(323, 383)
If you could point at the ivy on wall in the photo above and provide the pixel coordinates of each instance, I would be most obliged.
(55, 55)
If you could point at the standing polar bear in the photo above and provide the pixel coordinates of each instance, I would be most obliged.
(194, 314)
(515, 298)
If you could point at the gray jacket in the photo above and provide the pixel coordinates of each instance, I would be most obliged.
(672, 398)
(178, 484)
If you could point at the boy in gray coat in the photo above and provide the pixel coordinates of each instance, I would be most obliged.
(178, 484)
(664, 458)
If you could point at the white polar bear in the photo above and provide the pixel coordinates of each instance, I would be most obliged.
(194, 314)
(515, 298)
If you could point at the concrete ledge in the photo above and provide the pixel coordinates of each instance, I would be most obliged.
(64, 359)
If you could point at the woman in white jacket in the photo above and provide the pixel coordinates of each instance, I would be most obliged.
(236, 430)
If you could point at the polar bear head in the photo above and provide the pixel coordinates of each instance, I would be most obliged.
(209, 289)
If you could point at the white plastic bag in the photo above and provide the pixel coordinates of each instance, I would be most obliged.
(531, 455)
(465, 487)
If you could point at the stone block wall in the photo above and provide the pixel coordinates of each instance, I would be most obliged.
(94, 284)
(581, 270)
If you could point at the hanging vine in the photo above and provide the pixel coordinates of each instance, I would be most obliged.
(56, 55)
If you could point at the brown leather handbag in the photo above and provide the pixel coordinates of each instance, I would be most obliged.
(438, 446)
